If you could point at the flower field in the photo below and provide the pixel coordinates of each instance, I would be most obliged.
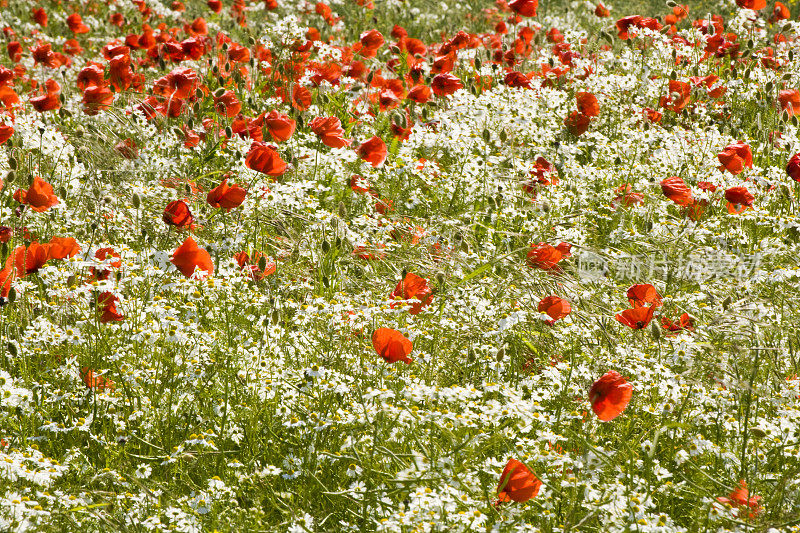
(399, 266)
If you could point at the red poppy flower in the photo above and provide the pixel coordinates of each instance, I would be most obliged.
(373, 151)
(49, 101)
(546, 257)
(735, 157)
(739, 199)
(740, 498)
(225, 196)
(265, 159)
(790, 101)
(624, 24)
(107, 306)
(752, 4)
(180, 83)
(695, 209)
(177, 214)
(392, 345)
(676, 190)
(102, 254)
(638, 318)
(14, 49)
(76, 25)
(301, 97)
(62, 247)
(792, 168)
(97, 98)
(610, 395)
(517, 79)
(625, 197)
(251, 265)
(780, 12)
(227, 104)
(643, 293)
(370, 42)
(39, 16)
(413, 287)
(215, 5)
(188, 257)
(587, 104)
(419, 93)
(280, 126)
(39, 196)
(555, 307)
(330, 132)
(24, 261)
(445, 84)
(685, 322)
(6, 131)
(96, 381)
(517, 483)
(577, 123)
(601, 11)
(678, 97)
(524, 8)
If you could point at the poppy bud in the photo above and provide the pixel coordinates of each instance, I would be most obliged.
(12, 349)
(342, 210)
(768, 87)
(501, 353)
(215, 70)
(11, 177)
(12, 295)
(326, 246)
(655, 331)
(12, 162)
(79, 131)
(670, 3)
(71, 280)
(93, 226)
(198, 93)
(228, 132)
(275, 317)
(791, 56)
(325, 281)
(439, 279)
(487, 135)
(196, 108)
(219, 92)
(758, 433)
(262, 263)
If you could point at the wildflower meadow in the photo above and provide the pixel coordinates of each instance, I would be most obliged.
(399, 266)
